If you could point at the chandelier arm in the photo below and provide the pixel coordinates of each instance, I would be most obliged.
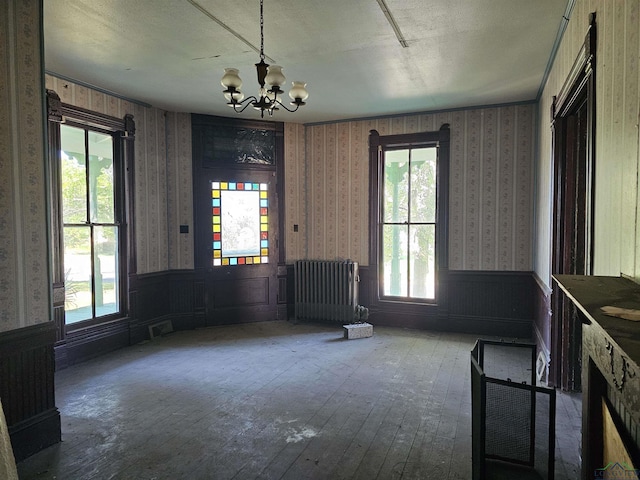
(285, 107)
(246, 102)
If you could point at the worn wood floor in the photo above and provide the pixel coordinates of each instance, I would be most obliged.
(276, 401)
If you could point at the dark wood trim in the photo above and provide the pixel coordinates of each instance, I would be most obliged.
(92, 341)
(375, 173)
(127, 137)
(95, 120)
(54, 115)
(35, 434)
(573, 199)
(27, 388)
(280, 195)
(583, 67)
(442, 239)
(217, 156)
(78, 342)
(377, 143)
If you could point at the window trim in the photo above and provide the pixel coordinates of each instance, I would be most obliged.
(123, 131)
(377, 144)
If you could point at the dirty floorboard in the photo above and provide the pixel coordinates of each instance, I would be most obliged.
(276, 401)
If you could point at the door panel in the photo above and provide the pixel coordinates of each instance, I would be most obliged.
(236, 289)
(241, 292)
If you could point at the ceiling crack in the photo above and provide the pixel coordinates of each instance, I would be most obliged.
(228, 28)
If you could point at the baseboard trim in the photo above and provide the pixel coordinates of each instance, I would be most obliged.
(35, 433)
(500, 327)
(86, 343)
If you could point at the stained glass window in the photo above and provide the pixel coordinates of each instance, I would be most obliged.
(240, 223)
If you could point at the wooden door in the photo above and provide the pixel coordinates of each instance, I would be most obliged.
(237, 210)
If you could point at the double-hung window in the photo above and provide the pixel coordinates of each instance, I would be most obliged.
(91, 223)
(409, 215)
(408, 222)
(91, 155)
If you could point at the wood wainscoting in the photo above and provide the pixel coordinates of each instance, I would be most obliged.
(27, 388)
(482, 302)
(155, 297)
(178, 296)
(491, 303)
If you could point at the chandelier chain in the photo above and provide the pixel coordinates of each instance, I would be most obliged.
(270, 79)
(261, 32)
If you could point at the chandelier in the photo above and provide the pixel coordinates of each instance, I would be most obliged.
(270, 95)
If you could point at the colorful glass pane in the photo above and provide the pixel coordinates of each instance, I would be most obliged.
(240, 223)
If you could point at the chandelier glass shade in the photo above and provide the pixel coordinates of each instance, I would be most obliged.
(271, 79)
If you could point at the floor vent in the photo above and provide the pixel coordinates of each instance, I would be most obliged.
(159, 329)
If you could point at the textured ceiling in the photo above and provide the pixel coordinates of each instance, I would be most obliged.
(170, 54)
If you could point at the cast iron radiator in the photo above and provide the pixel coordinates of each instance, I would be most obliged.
(326, 290)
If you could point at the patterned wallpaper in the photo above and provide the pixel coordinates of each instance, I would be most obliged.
(491, 186)
(295, 191)
(617, 235)
(163, 190)
(179, 190)
(24, 265)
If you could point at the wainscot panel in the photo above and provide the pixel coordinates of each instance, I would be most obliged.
(89, 342)
(149, 303)
(27, 388)
(186, 299)
(481, 302)
(491, 303)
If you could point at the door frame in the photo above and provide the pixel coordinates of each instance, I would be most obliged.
(579, 87)
(226, 282)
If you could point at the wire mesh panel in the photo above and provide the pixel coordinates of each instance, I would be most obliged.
(513, 423)
(509, 422)
(509, 361)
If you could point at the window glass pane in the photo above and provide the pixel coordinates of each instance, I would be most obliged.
(422, 261)
(423, 185)
(396, 186)
(394, 255)
(240, 223)
(105, 263)
(77, 274)
(73, 171)
(101, 178)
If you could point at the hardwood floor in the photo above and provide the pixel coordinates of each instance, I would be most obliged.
(276, 401)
